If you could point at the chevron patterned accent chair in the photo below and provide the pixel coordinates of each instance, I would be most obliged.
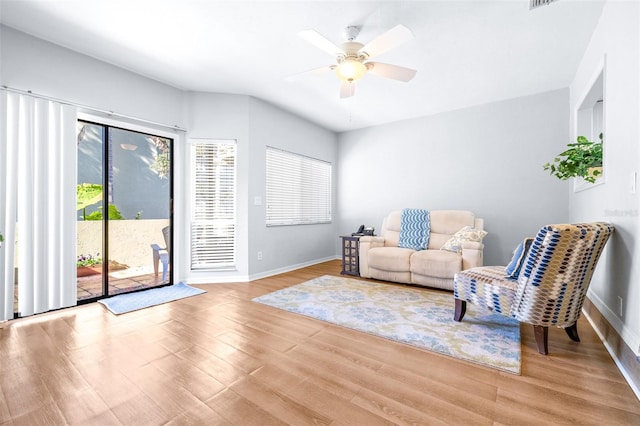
(551, 285)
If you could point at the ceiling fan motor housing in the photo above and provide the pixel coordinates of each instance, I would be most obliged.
(351, 49)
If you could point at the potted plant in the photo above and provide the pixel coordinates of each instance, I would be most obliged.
(582, 159)
(1, 239)
(88, 264)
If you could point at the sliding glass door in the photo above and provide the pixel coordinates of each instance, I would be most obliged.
(123, 210)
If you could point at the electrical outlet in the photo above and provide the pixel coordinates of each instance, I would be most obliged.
(259, 255)
(620, 302)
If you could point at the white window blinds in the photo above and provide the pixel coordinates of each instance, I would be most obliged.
(298, 189)
(213, 221)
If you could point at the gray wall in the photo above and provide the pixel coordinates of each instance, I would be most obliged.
(216, 116)
(284, 247)
(615, 288)
(487, 159)
(29, 63)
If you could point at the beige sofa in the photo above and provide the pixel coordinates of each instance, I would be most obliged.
(382, 259)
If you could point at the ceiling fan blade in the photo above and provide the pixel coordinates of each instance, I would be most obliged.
(321, 42)
(314, 71)
(391, 71)
(347, 89)
(387, 41)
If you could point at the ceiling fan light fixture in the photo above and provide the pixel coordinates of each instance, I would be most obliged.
(353, 57)
(351, 70)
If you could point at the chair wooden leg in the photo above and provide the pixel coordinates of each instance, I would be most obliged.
(461, 309)
(572, 332)
(542, 336)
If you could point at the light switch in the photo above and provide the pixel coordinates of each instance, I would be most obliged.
(257, 200)
(634, 180)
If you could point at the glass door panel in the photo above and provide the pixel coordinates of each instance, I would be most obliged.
(139, 209)
(89, 197)
(124, 210)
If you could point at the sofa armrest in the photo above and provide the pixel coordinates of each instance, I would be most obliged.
(472, 254)
(366, 243)
(377, 241)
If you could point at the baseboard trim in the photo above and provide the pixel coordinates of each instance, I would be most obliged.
(625, 358)
(289, 268)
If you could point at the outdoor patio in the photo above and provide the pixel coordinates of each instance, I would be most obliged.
(91, 286)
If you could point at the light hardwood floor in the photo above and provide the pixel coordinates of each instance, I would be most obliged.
(219, 358)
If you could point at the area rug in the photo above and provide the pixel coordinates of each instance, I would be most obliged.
(124, 303)
(416, 316)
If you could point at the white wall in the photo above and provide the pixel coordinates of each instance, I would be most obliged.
(615, 42)
(487, 159)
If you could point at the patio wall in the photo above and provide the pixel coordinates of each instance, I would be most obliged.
(129, 240)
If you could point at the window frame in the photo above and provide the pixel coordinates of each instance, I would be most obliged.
(226, 261)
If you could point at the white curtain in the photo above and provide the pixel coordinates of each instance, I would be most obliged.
(38, 211)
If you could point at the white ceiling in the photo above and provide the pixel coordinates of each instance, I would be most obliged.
(466, 52)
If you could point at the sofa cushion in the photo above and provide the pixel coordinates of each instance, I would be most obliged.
(436, 263)
(519, 254)
(445, 223)
(390, 258)
(467, 233)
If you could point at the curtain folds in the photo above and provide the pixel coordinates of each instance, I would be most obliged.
(38, 156)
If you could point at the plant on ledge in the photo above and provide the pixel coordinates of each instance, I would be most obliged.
(582, 159)
(88, 264)
(88, 260)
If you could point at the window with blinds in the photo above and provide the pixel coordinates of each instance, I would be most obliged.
(213, 220)
(298, 189)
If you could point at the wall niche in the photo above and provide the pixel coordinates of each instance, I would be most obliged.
(590, 119)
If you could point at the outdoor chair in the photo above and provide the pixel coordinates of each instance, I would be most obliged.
(544, 285)
(162, 254)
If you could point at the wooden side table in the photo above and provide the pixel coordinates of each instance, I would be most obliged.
(350, 255)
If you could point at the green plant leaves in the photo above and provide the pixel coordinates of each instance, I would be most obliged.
(114, 214)
(88, 194)
(578, 161)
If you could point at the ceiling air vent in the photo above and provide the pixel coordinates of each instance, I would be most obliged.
(537, 3)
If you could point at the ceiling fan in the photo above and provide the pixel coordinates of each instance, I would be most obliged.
(353, 57)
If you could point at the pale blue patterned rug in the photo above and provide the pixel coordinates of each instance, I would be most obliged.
(124, 303)
(416, 316)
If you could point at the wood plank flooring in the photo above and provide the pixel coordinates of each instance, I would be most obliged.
(220, 359)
